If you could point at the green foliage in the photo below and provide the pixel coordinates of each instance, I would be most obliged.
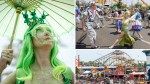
(138, 5)
(148, 7)
(31, 22)
(118, 5)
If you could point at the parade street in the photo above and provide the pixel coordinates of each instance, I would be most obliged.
(106, 36)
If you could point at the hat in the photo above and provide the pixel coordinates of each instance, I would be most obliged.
(92, 3)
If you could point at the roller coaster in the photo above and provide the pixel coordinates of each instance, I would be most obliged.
(113, 59)
(116, 1)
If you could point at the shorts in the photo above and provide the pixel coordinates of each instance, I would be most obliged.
(119, 24)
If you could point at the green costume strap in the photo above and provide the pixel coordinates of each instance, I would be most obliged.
(67, 76)
(20, 82)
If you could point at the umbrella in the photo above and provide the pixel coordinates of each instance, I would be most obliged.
(60, 16)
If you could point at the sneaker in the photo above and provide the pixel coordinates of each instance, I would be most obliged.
(110, 47)
(95, 47)
(140, 37)
(98, 27)
(117, 32)
(147, 26)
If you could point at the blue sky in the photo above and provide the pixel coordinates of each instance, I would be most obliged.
(90, 55)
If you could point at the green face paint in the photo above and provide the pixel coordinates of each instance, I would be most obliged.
(42, 35)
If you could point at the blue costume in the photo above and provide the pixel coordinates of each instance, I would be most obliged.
(119, 24)
(137, 26)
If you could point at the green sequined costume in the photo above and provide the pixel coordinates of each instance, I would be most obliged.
(126, 39)
(25, 72)
(27, 56)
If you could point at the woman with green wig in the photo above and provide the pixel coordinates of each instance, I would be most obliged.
(125, 39)
(38, 63)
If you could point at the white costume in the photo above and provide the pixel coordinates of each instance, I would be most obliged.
(101, 18)
(90, 23)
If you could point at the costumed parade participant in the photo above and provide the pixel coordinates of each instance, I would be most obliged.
(148, 18)
(90, 15)
(119, 21)
(77, 12)
(137, 25)
(125, 40)
(38, 62)
(101, 19)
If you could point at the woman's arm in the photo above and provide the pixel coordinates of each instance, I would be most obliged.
(6, 58)
(3, 64)
(11, 79)
(120, 18)
(116, 18)
(127, 20)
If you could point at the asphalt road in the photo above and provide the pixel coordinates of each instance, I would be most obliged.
(106, 37)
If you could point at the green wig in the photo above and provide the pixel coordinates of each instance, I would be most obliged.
(27, 57)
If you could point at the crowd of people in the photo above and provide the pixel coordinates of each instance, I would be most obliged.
(92, 15)
(118, 75)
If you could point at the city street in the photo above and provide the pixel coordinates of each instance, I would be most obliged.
(106, 37)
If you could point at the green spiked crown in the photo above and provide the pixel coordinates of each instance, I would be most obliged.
(31, 22)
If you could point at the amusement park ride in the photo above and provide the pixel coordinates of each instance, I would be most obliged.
(116, 65)
(103, 2)
(113, 58)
